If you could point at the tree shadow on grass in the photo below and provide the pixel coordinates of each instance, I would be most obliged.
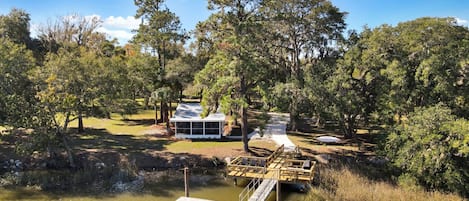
(366, 141)
(139, 122)
(101, 139)
(357, 155)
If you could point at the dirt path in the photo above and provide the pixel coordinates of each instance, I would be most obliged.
(276, 128)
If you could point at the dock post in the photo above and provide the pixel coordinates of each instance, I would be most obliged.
(278, 185)
(186, 181)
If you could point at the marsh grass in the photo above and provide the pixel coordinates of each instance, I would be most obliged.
(345, 183)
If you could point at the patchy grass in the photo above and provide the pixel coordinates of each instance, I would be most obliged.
(311, 147)
(133, 124)
(363, 144)
(218, 148)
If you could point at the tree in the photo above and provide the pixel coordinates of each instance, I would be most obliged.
(302, 33)
(17, 91)
(15, 27)
(163, 96)
(161, 32)
(180, 73)
(429, 65)
(74, 39)
(357, 84)
(432, 146)
(236, 66)
(65, 92)
(389, 71)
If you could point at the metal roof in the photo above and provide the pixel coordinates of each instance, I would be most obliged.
(192, 111)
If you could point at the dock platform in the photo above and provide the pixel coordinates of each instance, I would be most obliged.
(280, 165)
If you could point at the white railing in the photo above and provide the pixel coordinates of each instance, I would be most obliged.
(249, 189)
(253, 185)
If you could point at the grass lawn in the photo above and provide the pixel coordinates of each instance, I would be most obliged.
(137, 133)
(133, 125)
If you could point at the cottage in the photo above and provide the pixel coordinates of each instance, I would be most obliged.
(188, 123)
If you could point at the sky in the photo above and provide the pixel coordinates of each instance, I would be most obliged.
(118, 20)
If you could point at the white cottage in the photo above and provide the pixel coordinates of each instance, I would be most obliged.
(188, 123)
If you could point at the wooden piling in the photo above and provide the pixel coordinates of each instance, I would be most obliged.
(186, 181)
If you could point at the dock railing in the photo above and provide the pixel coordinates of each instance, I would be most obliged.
(246, 164)
(298, 173)
(290, 170)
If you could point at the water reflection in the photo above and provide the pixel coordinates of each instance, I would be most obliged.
(211, 187)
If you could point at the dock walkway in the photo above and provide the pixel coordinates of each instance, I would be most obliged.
(263, 191)
(266, 172)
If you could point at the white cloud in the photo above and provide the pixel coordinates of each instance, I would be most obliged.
(123, 36)
(121, 23)
(118, 27)
(461, 22)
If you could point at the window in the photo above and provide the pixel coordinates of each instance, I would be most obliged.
(212, 128)
(212, 125)
(197, 128)
(183, 128)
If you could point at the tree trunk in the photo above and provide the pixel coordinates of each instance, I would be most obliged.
(170, 109)
(80, 122)
(156, 114)
(166, 116)
(235, 118)
(244, 115)
(318, 121)
(348, 126)
(67, 120)
(161, 111)
(294, 110)
(180, 95)
(294, 116)
(146, 100)
(68, 149)
(244, 128)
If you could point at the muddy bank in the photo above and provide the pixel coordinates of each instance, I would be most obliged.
(107, 172)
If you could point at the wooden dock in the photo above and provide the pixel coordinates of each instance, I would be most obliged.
(279, 165)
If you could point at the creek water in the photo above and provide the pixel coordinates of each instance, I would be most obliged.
(216, 188)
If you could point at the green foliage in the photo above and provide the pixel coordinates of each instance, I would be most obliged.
(16, 89)
(388, 71)
(432, 147)
(161, 30)
(298, 48)
(15, 26)
(235, 67)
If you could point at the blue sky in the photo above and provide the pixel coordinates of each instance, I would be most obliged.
(118, 21)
